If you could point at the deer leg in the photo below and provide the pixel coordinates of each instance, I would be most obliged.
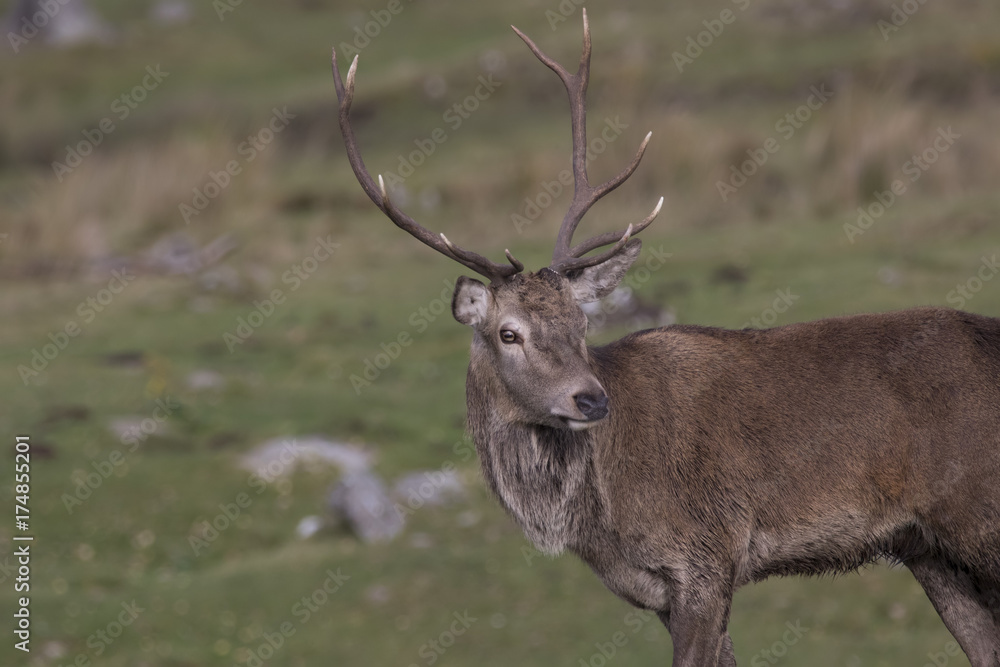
(727, 657)
(698, 631)
(969, 611)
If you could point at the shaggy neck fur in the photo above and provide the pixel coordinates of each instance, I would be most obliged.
(538, 473)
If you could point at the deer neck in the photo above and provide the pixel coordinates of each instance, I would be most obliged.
(539, 474)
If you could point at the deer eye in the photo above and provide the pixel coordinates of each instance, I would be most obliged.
(508, 336)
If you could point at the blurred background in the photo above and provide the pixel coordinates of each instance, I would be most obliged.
(220, 349)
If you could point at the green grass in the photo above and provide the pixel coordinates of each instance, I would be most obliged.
(130, 539)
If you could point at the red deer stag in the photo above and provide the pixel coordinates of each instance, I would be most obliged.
(681, 463)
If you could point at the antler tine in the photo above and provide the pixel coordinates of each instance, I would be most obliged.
(576, 89)
(623, 175)
(379, 195)
(610, 237)
(576, 263)
(584, 195)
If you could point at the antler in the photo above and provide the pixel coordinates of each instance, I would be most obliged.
(379, 195)
(566, 258)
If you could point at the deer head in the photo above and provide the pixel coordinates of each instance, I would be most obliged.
(529, 329)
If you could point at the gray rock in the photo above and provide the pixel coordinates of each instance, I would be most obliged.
(205, 380)
(173, 254)
(65, 23)
(78, 24)
(220, 278)
(429, 487)
(171, 12)
(179, 253)
(136, 427)
(281, 456)
(360, 498)
(378, 594)
(309, 526)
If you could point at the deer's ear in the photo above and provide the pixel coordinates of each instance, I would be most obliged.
(471, 301)
(598, 281)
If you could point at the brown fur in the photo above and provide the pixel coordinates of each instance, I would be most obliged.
(681, 463)
(731, 456)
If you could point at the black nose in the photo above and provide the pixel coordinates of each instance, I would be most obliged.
(593, 406)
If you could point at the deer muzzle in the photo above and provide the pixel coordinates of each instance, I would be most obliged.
(593, 406)
(583, 408)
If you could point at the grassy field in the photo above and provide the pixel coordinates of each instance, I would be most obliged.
(461, 586)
